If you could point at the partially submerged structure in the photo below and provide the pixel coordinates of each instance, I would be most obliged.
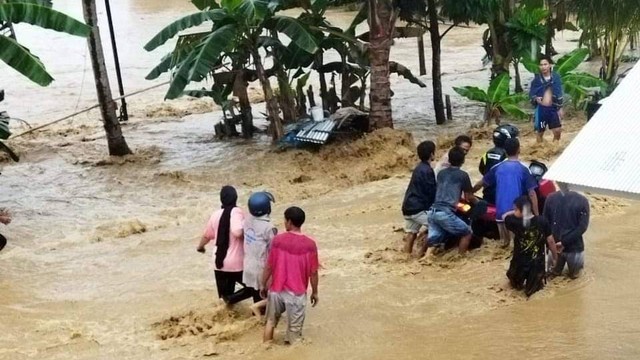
(605, 155)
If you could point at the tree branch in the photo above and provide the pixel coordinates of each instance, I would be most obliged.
(446, 31)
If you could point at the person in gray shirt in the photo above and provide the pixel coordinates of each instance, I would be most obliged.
(452, 182)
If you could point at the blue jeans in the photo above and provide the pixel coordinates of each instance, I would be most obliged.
(445, 224)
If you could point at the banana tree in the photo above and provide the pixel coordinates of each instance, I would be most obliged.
(37, 13)
(527, 32)
(610, 25)
(238, 33)
(497, 100)
(576, 84)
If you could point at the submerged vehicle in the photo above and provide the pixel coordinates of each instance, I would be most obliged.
(482, 216)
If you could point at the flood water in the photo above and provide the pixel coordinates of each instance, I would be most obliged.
(101, 261)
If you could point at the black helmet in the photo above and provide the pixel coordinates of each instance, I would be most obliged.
(260, 203)
(504, 132)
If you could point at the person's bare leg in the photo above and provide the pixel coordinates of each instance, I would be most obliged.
(557, 133)
(422, 237)
(463, 245)
(268, 331)
(257, 307)
(430, 253)
(505, 235)
(540, 136)
(409, 239)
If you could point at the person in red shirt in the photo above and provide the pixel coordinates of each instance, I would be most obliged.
(291, 265)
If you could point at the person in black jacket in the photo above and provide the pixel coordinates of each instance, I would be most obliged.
(420, 194)
(568, 214)
(496, 155)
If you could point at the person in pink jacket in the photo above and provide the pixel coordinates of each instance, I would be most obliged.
(225, 227)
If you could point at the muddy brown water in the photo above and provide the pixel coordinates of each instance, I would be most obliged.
(101, 262)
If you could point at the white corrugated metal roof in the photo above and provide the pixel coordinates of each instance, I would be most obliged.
(605, 155)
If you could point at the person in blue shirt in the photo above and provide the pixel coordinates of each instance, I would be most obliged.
(547, 97)
(419, 196)
(511, 179)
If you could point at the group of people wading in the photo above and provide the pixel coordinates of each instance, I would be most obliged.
(546, 238)
(275, 269)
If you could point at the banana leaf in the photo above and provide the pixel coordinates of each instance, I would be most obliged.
(205, 4)
(472, 93)
(514, 110)
(498, 88)
(249, 10)
(571, 61)
(22, 60)
(202, 60)
(43, 17)
(184, 23)
(296, 31)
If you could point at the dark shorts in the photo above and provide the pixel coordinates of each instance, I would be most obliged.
(546, 117)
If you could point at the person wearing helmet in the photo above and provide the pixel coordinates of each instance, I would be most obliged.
(259, 231)
(496, 155)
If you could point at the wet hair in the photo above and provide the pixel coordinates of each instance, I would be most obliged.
(461, 139)
(545, 57)
(512, 146)
(425, 150)
(456, 157)
(295, 215)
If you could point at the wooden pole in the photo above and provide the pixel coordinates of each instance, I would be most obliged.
(421, 57)
(447, 100)
(116, 142)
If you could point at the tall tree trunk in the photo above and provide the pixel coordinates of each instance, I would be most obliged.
(500, 42)
(277, 131)
(240, 90)
(516, 66)
(346, 83)
(421, 59)
(381, 22)
(115, 140)
(287, 101)
(323, 81)
(436, 72)
(286, 96)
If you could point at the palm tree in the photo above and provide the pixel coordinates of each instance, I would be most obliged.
(17, 56)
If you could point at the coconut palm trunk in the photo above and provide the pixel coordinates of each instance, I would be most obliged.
(115, 140)
(382, 20)
(436, 70)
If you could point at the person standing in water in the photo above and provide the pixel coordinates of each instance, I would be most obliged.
(292, 264)
(546, 95)
(419, 196)
(568, 214)
(511, 180)
(225, 227)
(527, 268)
(259, 231)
